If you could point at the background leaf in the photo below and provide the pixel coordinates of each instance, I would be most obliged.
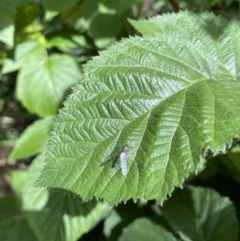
(7, 13)
(32, 139)
(125, 5)
(144, 229)
(231, 160)
(18, 179)
(26, 15)
(65, 213)
(200, 214)
(13, 222)
(7, 10)
(120, 217)
(42, 85)
(56, 6)
(29, 52)
(168, 95)
(102, 21)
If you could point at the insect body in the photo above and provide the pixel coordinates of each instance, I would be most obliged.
(123, 162)
(120, 155)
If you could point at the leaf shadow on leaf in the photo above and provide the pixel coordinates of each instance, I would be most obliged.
(62, 208)
(13, 220)
(62, 197)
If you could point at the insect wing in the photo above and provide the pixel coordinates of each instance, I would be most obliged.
(114, 155)
(123, 163)
(109, 158)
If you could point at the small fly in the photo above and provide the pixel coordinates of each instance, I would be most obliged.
(119, 155)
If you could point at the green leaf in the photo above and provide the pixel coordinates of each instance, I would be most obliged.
(20, 3)
(7, 10)
(201, 214)
(30, 51)
(26, 15)
(66, 40)
(212, 168)
(120, 217)
(173, 96)
(41, 85)
(34, 198)
(64, 44)
(231, 160)
(67, 216)
(32, 140)
(10, 65)
(18, 179)
(25, 53)
(58, 6)
(102, 20)
(71, 17)
(125, 5)
(110, 223)
(13, 222)
(7, 15)
(143, 229)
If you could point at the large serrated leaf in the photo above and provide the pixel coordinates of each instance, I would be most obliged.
(171, 95)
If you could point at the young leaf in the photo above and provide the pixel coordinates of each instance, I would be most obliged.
(67, 216)
(41, 85)
(201, 214)
(172, 96)
(32, 139)
(30, 51)
(143, 229)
